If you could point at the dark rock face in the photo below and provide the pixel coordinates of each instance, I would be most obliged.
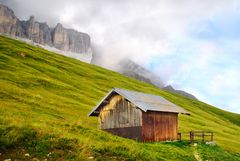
(58, 37)
(78, 41)
(37, 32)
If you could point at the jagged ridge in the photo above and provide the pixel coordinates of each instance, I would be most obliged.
(58, 37)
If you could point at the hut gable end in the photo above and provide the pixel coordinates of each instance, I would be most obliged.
(119, 113)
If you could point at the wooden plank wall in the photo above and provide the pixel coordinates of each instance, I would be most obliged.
(159, 126)
(119, 113)
(133, 132)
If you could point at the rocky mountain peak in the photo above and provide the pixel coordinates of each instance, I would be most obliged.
(9, 24)
(31, 19)
(58, 37)
(59, 26)
(5, 11)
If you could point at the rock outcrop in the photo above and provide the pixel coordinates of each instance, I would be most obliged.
(37, 32)
(57, 37)
(60, 37)
(9, 23)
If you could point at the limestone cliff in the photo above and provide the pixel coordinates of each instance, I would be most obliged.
(9, 23)
(60, 37)
(57, 37)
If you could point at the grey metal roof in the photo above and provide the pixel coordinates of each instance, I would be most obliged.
(146, 102)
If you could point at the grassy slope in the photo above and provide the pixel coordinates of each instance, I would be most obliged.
(45, 99)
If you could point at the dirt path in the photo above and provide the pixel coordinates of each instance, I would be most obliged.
(196, 154)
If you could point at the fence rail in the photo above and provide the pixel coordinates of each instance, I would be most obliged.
(197, 135)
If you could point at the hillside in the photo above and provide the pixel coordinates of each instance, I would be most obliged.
(45, 99)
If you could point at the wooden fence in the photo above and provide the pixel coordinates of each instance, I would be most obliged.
(196, 135)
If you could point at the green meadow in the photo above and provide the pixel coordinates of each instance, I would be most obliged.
(44, 102)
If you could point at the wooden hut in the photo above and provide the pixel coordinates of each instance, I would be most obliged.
(139, 116)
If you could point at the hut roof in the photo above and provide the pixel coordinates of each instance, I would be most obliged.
(145, 102)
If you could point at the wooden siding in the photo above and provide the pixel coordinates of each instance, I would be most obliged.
(159, 126)
(134, 132)
(119, 113)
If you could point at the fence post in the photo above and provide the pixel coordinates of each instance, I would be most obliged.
(203, 136)
(191, 136)
(212, 136)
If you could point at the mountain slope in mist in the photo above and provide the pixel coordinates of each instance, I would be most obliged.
(130, 68)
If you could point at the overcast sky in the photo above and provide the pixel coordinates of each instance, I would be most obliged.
(193, 45)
